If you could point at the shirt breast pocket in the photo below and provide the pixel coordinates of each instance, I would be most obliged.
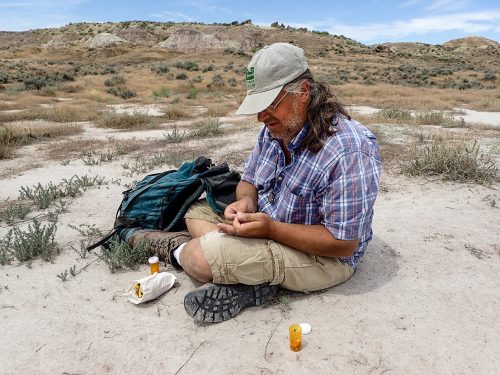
(301, 204)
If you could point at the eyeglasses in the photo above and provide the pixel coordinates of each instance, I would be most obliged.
(272, 107)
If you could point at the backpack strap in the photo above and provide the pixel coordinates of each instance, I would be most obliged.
(121, 222)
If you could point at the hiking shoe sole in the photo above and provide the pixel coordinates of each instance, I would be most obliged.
(214, 303)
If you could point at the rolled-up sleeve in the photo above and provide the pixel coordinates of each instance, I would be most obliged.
(347, 194)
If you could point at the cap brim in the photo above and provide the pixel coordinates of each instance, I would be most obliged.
(255, 103)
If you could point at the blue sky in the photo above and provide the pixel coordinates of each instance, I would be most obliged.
(368, 21)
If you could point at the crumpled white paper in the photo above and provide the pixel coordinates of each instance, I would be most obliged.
(152, 287)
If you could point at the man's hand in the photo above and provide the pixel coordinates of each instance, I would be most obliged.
(244, 205)
(256, 225)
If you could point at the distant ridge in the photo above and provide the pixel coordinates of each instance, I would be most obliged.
(471, 42)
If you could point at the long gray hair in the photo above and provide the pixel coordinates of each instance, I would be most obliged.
(322, 109)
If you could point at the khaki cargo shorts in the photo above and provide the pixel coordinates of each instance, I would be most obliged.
(252, 261)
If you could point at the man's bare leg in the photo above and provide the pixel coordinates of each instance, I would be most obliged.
(194, 263)
(198, 227)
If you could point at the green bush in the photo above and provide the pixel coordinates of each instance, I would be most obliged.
(232, 82)
(162, 92)
(114, 81)
(181, 76)
(37, 240)
(136, 120)
(192, 93)
(121, 255)
(217, 81)
(197, 79)
(160, 69)
(210, 127)
(187, 65)
(395, 113)
(121, 92)
(208, 68)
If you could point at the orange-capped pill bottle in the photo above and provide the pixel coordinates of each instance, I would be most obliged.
(295, 337)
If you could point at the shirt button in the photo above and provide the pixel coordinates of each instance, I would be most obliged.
(280, 178)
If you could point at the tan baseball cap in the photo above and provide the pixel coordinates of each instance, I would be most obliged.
(270, 69)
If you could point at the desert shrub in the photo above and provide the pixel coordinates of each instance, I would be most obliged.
(5, 151)
(210, 127)
(160, 69)
(192, 93)
(71, 88)
(208, 68)
(187, 65)
(217, 110)
(42, 196)
(197, 79)
(181, 76)
(114, 81)
(175, 136)
(121, 255)
(14, 211)
(121, 92)
(4, 77)
(67, 113)
(136, 120)
(37, 240)
(217, 81)
(488, 76)
(162, 92)
(453, 161)
(400, 114)
(232, 82)
(430, 117)
(450, 122)
(46, 91)
(36, 82)
(15, 136)
(174, 113)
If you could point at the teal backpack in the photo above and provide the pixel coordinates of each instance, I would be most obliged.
(159, 201)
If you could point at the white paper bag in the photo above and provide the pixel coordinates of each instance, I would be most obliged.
(151, 287)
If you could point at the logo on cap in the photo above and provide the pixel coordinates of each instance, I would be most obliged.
(249, 78)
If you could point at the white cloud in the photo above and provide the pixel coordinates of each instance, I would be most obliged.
(173, 16)
(447, 5)
(467, 23)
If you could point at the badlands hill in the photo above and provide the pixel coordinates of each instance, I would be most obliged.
(472, 62)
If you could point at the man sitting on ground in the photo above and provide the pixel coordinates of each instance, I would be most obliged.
(304, 208)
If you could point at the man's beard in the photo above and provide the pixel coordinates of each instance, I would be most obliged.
(292, 125)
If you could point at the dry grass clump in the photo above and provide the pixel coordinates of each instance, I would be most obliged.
(419, 98)
(77, 147)
(65, 113)
(12, 136)
(218, 110)
(455, 161)
(210, 127)
(175, 113)
(135, 121)
(404, 116)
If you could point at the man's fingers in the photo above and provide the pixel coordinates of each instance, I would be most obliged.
(244, 217)
(226, 228)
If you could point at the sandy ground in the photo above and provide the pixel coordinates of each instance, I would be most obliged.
(424, 300)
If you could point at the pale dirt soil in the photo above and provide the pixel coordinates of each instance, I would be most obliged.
(424, 300)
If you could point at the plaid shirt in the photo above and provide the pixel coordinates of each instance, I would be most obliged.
(335, 187)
